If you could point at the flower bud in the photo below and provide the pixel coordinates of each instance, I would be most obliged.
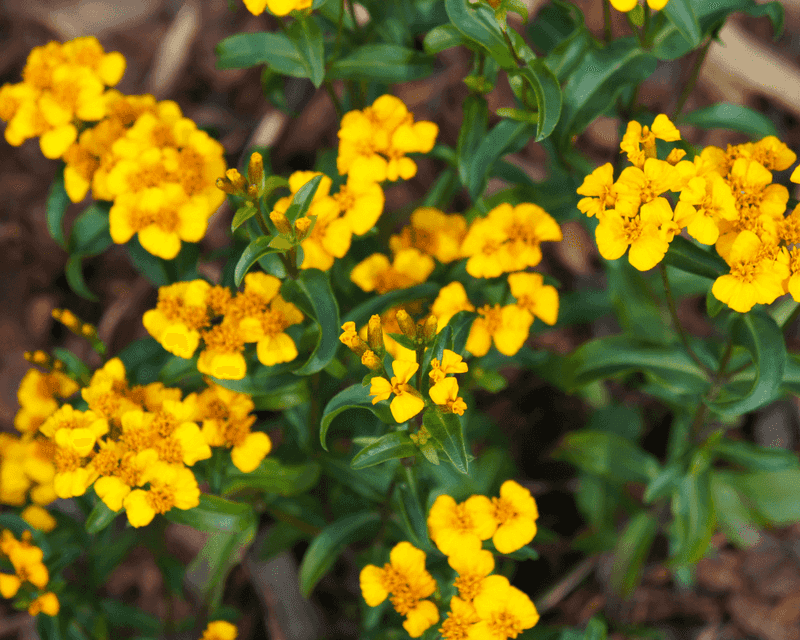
(68, 319)
(237, 180)
(351, 338)
(375, 334)
(675, 156)
(429, 328)
(280, 220)
(407, 325)
(223, 184)
(252, 192)
(370, 360)
(255, 170)
(301, 227)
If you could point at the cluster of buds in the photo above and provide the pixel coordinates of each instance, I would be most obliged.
(79, 328)
(251, 187)
(44, 360)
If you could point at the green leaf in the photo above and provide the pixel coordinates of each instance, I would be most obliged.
(682, 15)
(686, 255)
(124, 615)
(631, 551)
(301, 201)
(773, 494)
(250, 49)
(214, 514)
(100, 517)
(254, 251)
(608, 455)
(414, 519)
(754, 457)
(478, 23)
(735, 518)
(56, 207)
(73, 270)
(312, 292)
(761, 336)
(446, 429)
(734, 117)
(393, 445)
(271, 476)
(242, 215)
(493, 146)
(329, 544)
(443, 37)
(354, 397)
(89, 234)
(292, 395)
(638, 310)
(265, 380)
(596, 629)
(694, 518)
(379, 304)
(471, 134)
(547, 90)
(309, 42)
(598, 81)
(387, 63)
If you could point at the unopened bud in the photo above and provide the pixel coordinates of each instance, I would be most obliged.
(255, 170)
(675, 156)
(237, 179)
(429, 328)
(252, 192)
(280, 220)
(375, 334)
(406, 324)
(351, 338)
(68, 319)
(301, 227)
(370, 360)
(223, 184)
(88, 330)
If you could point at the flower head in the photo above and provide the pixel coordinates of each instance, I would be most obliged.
(406, 402)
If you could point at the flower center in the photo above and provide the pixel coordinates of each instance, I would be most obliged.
(468, 585)
(505, 624)
(504, 510)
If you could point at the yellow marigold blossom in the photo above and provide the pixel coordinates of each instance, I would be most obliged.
(26, 470)
(26, 558)
(126, 470)
(62, 85)
(361, 203)
(376, 273)
(628, 5)
(703, 202)
(171, 486)
(373, 143)
(38, 517)
(460, 618)
(222, 354)
(639, 142)
(406, 402)
(508, 239)
(451, 363)
(648, 234)
(434, 233)
(636, 186)
(47, 603)
(515, 513)
(507, 326)
(276, 7)
(598, 187)
(504, 611)
(406, 582)
(451, 299)
(108, 394)
(227, 421)
(181, 312)
(445, 394)
(37, 395)
(755, 277)
(220, 630)
(76, 431)
(792, 285)
(773, 154)
(453, 526)
(472, 564)
(535, 297)
(789, 228)
(756, 196)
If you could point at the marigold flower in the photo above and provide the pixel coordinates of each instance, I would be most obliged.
(599, 188)
(464, 525)
(505, 611)
(451, 299)
(433, 233)
(636, 186)
(451, 363)
(181, 312)
(38, 517)
(171, 485)
(220, 630)
(405, 581)
(276, 7)
(406, 402)
(535, 297)
(37, 397)
(639, 142)
(472, 564)
(445, 394)
(409, 267)
(703, 202)
(47, 603)
(460, 618)
(508, 327)
(516, 514)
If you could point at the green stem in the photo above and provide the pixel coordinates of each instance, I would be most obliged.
(334, 99)
(290, 262)
(678, 327)
(260, 219)
(352, 8)
(646, 27)
(296, 522)
(607, 35)
(689, 87)
(790, 320)
(716, 384)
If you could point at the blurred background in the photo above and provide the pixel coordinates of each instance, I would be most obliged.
(169, 47)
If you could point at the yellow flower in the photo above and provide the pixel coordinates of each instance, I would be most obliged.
(628, 5)
(703, 202)
(433, 233)
(636, 186)
(409, 267)
(451, 363)
(516, 514)
(505, 611)
(276, 7)
(453, 526)
(181, 312)
(639, 142)
(535, 297)
(648, 234)
(755, 276)
(361, 203)
(460, 618)
(773, 154)
(451, 299)
(472, 564)
(47, 603)
(220, 630)
(508, 239)
(406, 402)
(171, 486)
(36, 396)
(405, 581)
(445, 394)
(507, 326)
(39, 518)
(598, 186)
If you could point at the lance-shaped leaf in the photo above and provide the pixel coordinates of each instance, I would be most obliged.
(547, 91)
(682, 14)
(686, 255)
(448, 431)
(309, 42)
(56, 207)
(609, 456)
(491, 149)
(385, 62)
(272, 476)
(251, 49)
(694, 518)
(214, 514)
(354, 397)
(734, 117)
(736, 519)
(391, 446)
(772, 494)
(254, 251)
(100, 517)
(631, 551)
(478, 23)
(443, 37)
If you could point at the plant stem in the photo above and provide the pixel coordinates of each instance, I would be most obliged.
(334, 99)
(678, 327)
(607, 35)
(716, 383)
(689, 87)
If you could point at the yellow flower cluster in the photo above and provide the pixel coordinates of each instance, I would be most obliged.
(276, 7)
(154, 164)
(186, 312)
(26, 558)
(628, 5)
(220, 630)
(373, 143)
(62, 86)
(136, 444)
(37, 395)
(724, 197)
(26, 470)
(487, 607)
